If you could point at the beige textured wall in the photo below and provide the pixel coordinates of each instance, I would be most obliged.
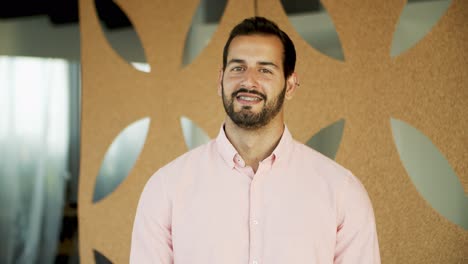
(426, 86)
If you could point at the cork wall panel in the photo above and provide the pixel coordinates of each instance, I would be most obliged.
(115, 94)
(425, 87)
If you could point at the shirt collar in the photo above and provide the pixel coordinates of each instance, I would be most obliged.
(284, 147)
(228, 152)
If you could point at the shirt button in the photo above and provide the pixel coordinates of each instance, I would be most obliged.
(255, 222)
(254, 262)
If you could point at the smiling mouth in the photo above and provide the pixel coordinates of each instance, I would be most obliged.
(249, 98)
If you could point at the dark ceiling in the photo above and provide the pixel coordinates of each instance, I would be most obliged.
(63, 11)
(66, 11)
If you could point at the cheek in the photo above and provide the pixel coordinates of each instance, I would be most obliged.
(233, 78)
(230, 83)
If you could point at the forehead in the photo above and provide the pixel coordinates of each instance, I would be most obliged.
(256, 47)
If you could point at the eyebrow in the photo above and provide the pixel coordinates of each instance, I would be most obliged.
(263, 63)
(267, 63)
(236, 61)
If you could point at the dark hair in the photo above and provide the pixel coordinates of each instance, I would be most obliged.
(262, 26)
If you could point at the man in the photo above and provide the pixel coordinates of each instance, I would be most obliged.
(254, 195)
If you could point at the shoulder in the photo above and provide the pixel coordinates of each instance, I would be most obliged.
(184, 165)
(317, 162)
(349, 191)
(191, 157)
(324, 168)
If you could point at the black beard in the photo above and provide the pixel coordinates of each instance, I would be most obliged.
(247, 119)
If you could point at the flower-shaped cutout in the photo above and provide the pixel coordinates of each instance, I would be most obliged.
(131, 49)
(120, 158)
(318, 30)
(200, 32)
(194, 136)
(431, 173)
(327, 140)
(100, 258)
(416, 20)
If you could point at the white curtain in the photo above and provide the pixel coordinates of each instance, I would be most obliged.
(34, 129)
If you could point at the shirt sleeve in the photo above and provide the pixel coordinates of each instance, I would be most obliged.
(356, 241)
(151, 236)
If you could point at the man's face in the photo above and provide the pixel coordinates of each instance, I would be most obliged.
(252, 85)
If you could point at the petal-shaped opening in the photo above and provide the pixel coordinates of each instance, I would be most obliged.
(312, 21)
(194, 136)
(431, 173)
(328, 139)
(144, 67)
(205, 21)
(120, 33)
(416, 20)
(121, 157)
(100, 259)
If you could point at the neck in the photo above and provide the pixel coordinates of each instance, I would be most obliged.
(255, 145)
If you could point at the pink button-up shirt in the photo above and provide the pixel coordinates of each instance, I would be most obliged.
(299, 207)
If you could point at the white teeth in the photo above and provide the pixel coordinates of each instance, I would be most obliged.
(247, 98)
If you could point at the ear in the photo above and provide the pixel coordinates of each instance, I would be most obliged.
(291, 84)
(220, 81)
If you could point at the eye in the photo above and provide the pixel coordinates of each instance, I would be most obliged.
(237, 69)
(264, 70)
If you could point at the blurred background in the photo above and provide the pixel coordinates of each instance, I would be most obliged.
(40, 113)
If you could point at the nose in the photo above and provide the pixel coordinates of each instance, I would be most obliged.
(250, 79)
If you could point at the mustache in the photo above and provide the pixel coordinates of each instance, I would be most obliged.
(243, 90)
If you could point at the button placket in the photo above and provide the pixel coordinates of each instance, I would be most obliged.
(255, 215)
